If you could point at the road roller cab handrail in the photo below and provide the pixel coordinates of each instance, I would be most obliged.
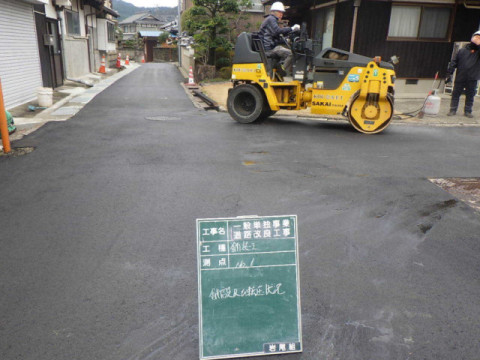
(257, 45)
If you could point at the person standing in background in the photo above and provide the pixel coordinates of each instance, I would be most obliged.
(467, 63)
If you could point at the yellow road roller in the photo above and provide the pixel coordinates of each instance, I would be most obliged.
(333, 82)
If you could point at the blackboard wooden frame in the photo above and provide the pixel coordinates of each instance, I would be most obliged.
(248, 286)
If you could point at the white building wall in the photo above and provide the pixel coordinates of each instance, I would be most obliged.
(20, 69)
(75, 47)
(102, 33)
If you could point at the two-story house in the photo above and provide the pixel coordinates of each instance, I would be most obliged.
(421, 33)
(145, 21)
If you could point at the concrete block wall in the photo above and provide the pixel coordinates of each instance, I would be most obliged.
(76, 57)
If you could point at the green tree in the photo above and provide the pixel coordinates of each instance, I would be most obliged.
(235, 19)
(163, 37)
(208, 21)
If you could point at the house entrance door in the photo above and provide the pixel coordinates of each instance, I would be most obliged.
(55, 53)
(149, 50)
(49, 49)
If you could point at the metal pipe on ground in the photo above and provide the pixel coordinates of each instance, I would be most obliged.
(212, 104)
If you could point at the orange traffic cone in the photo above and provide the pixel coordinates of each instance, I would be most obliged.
(143, 58)
(102, 69)
(119, 61)
(127, 61)
(191, 80)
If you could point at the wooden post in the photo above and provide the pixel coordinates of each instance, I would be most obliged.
(356, 4)
(3, 124)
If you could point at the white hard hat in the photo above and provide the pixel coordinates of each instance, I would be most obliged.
(277, 6)
(477, 33)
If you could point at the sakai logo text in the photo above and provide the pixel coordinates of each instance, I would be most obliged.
(321, 103)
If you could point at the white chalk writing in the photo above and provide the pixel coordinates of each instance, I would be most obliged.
(243, 264)
(242, 246)
(213, 231)
(255, 290)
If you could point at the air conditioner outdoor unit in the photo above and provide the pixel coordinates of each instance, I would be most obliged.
(63, 2)
(37, 2)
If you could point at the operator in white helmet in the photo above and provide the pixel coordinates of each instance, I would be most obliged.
(270, 34)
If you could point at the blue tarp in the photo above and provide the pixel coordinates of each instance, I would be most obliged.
(151, 33)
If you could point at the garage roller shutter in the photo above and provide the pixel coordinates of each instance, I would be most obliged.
(19, 59)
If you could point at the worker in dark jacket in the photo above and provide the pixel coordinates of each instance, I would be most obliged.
(270, 33)
(467, 63)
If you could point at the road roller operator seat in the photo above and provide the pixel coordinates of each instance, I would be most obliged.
(249, 50)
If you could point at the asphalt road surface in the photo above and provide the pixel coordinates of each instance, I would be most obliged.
(98, 237)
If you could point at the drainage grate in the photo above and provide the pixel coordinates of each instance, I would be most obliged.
(162, 118)
(465, 189)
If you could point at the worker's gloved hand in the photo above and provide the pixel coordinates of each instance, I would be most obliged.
(296, 27)
(448, 79)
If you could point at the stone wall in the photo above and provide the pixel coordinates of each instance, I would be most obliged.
(203, 72)
(165, 54)
(188, 58)
(133, 54)
(160, 54)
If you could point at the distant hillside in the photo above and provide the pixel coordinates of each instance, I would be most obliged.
(126, 9)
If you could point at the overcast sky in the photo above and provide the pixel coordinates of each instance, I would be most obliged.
(153, 3)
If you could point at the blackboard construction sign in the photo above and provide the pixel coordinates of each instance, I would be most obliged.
(248, 286)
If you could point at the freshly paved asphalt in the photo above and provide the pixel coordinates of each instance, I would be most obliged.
(97, 246)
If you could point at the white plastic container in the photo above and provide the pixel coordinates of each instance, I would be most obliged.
(45, 97)
(432, 104)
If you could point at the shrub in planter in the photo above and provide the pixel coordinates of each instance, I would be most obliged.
(225, 72)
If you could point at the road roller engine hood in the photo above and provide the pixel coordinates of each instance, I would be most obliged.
(331, 65)
(331, 56)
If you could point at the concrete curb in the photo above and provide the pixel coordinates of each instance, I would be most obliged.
(195, 100)
(46, 115)
(31, 124)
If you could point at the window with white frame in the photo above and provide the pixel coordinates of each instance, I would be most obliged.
(73, 22)
(419, 22)
(111, 32)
